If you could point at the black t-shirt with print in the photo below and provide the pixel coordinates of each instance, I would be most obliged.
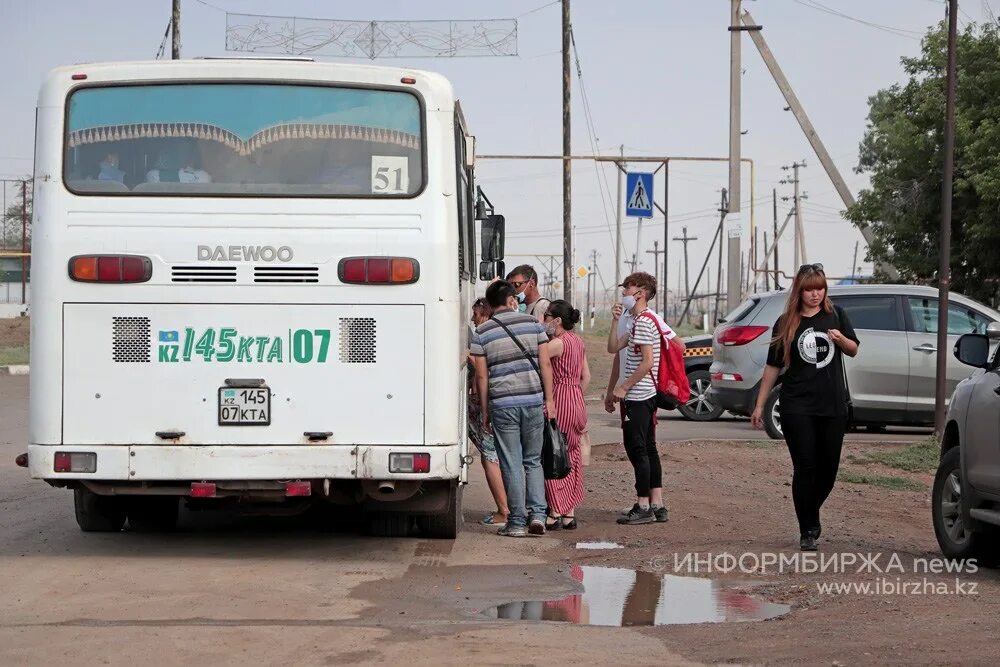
(814, 382)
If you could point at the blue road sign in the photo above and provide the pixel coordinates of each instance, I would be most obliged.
(639, 195)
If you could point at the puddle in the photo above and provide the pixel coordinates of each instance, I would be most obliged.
(598, 545)
(626, 598)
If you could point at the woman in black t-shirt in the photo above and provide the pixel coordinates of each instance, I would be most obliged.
(808, 342)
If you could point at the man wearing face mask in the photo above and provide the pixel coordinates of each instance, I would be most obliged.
(514, 382)
(530, 301)
(635, 340)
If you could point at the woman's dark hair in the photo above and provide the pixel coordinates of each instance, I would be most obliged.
(482, 307)
(565, 311)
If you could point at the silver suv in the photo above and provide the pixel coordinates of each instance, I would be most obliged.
(892, 378)
(966, 497)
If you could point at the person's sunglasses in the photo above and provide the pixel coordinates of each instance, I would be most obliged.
(517, 283)
(548, 316)
(818, 268)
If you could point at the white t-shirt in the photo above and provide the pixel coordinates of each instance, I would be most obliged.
(645, 333)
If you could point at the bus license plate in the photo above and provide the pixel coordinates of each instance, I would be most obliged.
(239, 406)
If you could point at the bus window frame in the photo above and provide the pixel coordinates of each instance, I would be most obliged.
(463, 200)
(267, 82)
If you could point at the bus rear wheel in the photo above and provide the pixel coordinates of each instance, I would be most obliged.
(448, 524)
(98, 514)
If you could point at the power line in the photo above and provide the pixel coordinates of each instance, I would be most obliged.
(530, 11)
(592, 137)
(166, 35)
(216, 8)
(899, 32)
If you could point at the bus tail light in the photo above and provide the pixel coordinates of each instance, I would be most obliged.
(418, 463)
(202, 489)
(378, 270)
(110, 268)
(298, 489)
(75, 462)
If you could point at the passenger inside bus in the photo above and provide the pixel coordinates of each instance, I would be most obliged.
(108, 169)
(177, 163)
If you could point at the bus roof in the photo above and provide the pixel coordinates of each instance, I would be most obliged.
(62, 79)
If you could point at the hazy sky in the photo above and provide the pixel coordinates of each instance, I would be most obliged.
(656, 74)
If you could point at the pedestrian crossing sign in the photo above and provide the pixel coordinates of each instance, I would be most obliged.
(639, 193)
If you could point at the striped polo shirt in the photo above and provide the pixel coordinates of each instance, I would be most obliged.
(513, 381)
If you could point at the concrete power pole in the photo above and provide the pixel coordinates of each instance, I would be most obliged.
(685, 239)
(812, 136)
(175, 31)
(734, 276)
(618, 224)
(798, 242)
(656, 252)
(567, 163)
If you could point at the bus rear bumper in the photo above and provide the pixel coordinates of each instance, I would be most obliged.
(195, 463)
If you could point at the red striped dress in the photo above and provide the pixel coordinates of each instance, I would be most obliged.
(563, 495)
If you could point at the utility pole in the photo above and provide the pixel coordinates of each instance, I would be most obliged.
(947, 192)
(618, 222)
(735, 103)
(24, 242)
(854, 263)
(798, 242)
(566, 151)
(685, 239)
(175, 31)
(774, 196)
(590, 276)
(656, 252)
(767, 274)
(807, 128)
(717, 236)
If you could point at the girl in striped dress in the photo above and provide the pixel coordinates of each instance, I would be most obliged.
(570, 377)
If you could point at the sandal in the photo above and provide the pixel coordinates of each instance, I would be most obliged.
(553, 522)
(491, 520)
(568, 525)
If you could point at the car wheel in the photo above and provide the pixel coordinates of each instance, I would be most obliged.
(699, 408)
(772, 415)
(957, 538)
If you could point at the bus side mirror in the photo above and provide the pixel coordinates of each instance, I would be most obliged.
(492, 238)
(490, 270)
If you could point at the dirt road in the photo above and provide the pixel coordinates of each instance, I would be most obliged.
(232, 589)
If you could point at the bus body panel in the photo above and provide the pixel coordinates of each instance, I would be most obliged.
(351, 370)
(426, 322)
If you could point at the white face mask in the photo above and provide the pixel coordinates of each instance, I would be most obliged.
(520, 297)
(628, 302)
(550, 330)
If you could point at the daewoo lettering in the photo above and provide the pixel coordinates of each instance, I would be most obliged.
(236, 253)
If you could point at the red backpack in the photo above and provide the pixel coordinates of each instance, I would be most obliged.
(672, 387)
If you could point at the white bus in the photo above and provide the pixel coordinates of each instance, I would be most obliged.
(252, 282)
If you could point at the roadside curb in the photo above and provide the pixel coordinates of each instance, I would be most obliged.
(18, 369)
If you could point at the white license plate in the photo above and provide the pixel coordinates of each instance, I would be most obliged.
(244, 406)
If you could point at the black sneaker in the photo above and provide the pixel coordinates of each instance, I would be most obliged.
(807, 542)
(638, 516)
(630, 510)
(660, 514)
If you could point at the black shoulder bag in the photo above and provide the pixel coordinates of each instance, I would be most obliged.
(843, 370)
(555, 456)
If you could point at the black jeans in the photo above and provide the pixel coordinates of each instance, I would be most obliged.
(814, 444)
(639, 433)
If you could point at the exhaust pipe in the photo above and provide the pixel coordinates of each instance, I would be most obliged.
(386, 487)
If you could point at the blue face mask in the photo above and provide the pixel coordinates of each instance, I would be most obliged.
(628, 302)
(522, 307)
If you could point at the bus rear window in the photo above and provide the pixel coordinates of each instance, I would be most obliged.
(243, 139)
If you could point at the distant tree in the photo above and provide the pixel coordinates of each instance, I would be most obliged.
(10, 225)
(902, 152)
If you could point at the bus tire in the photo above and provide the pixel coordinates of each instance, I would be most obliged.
(98, 514)
(448, 524)
(389, 524)
(153, 514)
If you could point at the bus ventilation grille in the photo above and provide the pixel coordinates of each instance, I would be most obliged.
(286, 274)
(203, 274)
(131, 340)
(357, 340)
